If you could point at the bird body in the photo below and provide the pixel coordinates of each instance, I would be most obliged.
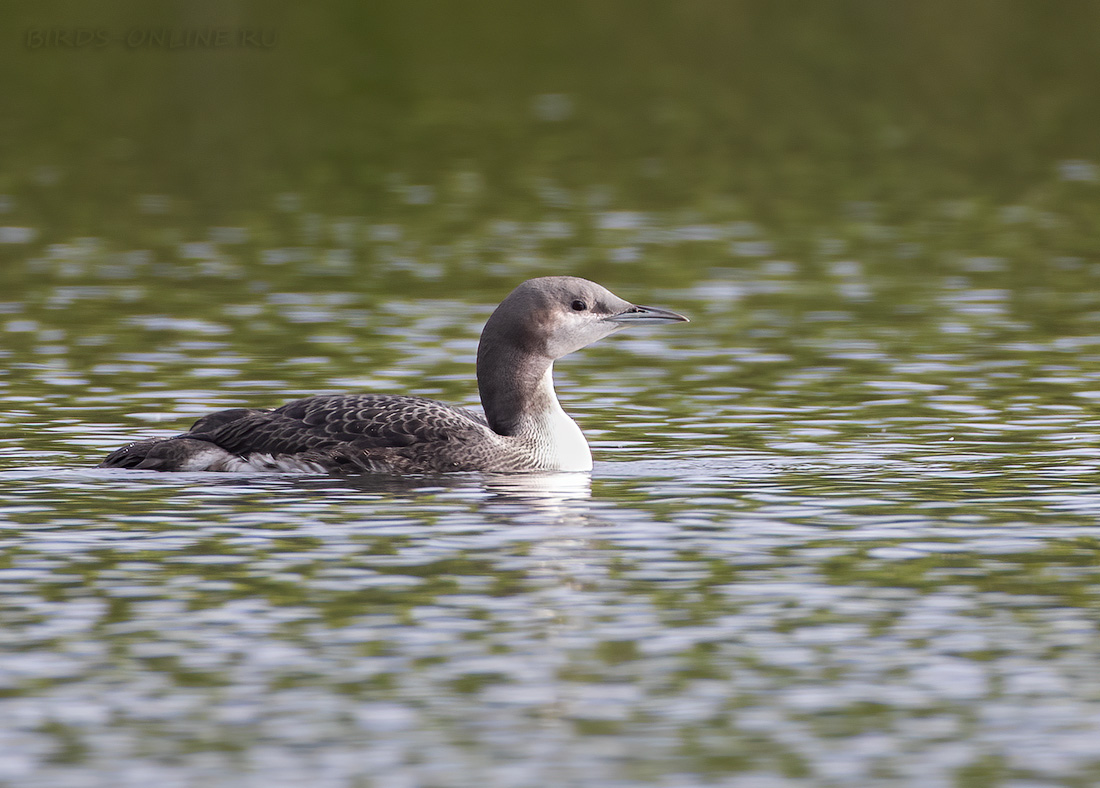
(524, 427)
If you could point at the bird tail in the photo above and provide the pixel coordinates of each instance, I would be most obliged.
(131, 455)
(181, 453)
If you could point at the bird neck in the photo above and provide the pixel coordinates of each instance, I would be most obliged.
(518, 396)
(516, 388)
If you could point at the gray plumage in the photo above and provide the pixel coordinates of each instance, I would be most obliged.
(540, 321)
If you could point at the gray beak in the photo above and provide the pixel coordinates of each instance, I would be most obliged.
(633, 315)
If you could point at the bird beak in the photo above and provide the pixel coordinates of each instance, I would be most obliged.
(646, 314)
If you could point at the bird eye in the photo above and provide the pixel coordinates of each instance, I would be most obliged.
(579, 306)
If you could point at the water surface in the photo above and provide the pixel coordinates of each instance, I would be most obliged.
(842, 529)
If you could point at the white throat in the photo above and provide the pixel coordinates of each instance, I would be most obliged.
(559, 442)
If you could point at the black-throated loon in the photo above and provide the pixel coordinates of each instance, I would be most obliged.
(524, 428)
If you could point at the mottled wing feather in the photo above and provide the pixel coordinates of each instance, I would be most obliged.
(363, 421)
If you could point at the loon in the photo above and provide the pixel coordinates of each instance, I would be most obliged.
(524, 428)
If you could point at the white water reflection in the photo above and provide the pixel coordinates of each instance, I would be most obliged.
(421, 624)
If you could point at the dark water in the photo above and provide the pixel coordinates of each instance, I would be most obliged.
(842, 529)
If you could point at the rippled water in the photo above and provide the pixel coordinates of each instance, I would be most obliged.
(834, 536)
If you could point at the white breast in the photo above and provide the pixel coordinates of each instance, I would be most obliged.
(569, 449)
(561, 445)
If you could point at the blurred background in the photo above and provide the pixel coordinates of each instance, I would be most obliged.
(898, 133)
